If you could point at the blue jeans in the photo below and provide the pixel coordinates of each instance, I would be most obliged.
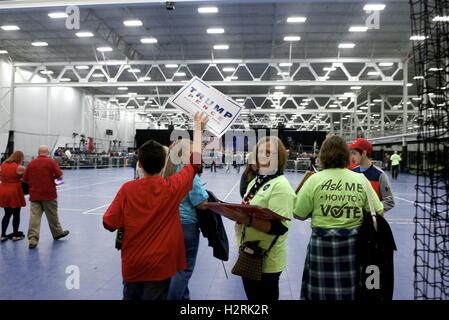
(179, 289)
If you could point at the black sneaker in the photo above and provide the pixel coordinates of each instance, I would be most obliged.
(32, 246)
(64, 234)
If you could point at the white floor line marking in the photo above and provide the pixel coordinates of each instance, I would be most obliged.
(94, 209)
(229, 193)
(90, 185)
(406, 200)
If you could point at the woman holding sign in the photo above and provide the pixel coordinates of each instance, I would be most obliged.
(335, 199)
(270, 189)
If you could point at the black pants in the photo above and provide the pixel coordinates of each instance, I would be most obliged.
(266, 289)
(15, 213)
(214, 167)
(151, 290)
(394, 171)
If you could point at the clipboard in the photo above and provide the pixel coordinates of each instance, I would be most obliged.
(238, 212)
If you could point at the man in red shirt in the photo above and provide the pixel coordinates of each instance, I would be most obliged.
(40, 176)
(148, 211)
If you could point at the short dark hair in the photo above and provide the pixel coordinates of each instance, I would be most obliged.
(152, 157)
(334, 153)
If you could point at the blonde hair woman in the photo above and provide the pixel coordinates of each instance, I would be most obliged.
(195, 199)
(269, 189)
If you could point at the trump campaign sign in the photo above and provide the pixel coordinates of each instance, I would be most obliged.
(199, 96)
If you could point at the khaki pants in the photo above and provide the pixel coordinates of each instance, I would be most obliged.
(51, 211)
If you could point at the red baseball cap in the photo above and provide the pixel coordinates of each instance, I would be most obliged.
(363, 145)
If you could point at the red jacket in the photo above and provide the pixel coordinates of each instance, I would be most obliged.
(40, 176)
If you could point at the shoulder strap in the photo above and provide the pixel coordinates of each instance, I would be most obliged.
(366, 187)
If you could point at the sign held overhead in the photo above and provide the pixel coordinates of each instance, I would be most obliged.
(199, 96)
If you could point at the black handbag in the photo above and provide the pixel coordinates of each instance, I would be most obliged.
(25, 188)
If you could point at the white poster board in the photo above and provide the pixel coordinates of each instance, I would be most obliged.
(197, 95)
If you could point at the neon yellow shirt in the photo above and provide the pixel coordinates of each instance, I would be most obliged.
(395, 159)
(336, 198)
(278, 196)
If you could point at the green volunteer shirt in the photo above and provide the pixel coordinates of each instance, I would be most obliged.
(395, 159)
(336, 198)
(278, 196)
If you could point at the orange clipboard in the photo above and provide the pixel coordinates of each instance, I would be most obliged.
(238, 212)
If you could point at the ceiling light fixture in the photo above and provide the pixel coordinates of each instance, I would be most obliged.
(85, 34)
(374, 7)
(221, 47)
(346, 45)
(329, 69)
(171, 66)
(3, 52)
(179, 74)
(10, 28)
(418, 38)
(148, 40)
(104, 49)
(135, 70)
(208, 10)
(285, 64)
(356, 88)
(228, 69)
(39, 44)
(122, 88)
(386, 64)
(133, 23)
(358, 29)
(82, 67)
(441, 19)
(292, 38)
(296, 19)
(58, 15)
(215, 30)
(65, 80)
(373, 73)
(47, 72)
(279, 87)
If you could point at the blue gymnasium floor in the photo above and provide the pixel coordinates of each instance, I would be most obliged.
(41, 273)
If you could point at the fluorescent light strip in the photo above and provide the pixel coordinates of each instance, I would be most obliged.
(373, 73)
(418, 78)
(215, 30)
(65, 79)
(58, 15)
(356, 88)
(39, 44)
(98, 75)
(374, 7)
(85, 34)
(179, 74)
(133, 23)
(10, 28)
(285, 64)
(329, 69)
(47, 72)
(296, 19)
(418, 38)
(208, 10)
(82, 67)
(228, 69)
(386, 64)
(221, 47)
(346, 45)
(104, 49)
(144, 78)
(148, 40)
(171, 66)
(292, 38)
(122, 88)
(3, 52)
(441, 19)
(358, 29)
(279, 87)
(135, 70)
